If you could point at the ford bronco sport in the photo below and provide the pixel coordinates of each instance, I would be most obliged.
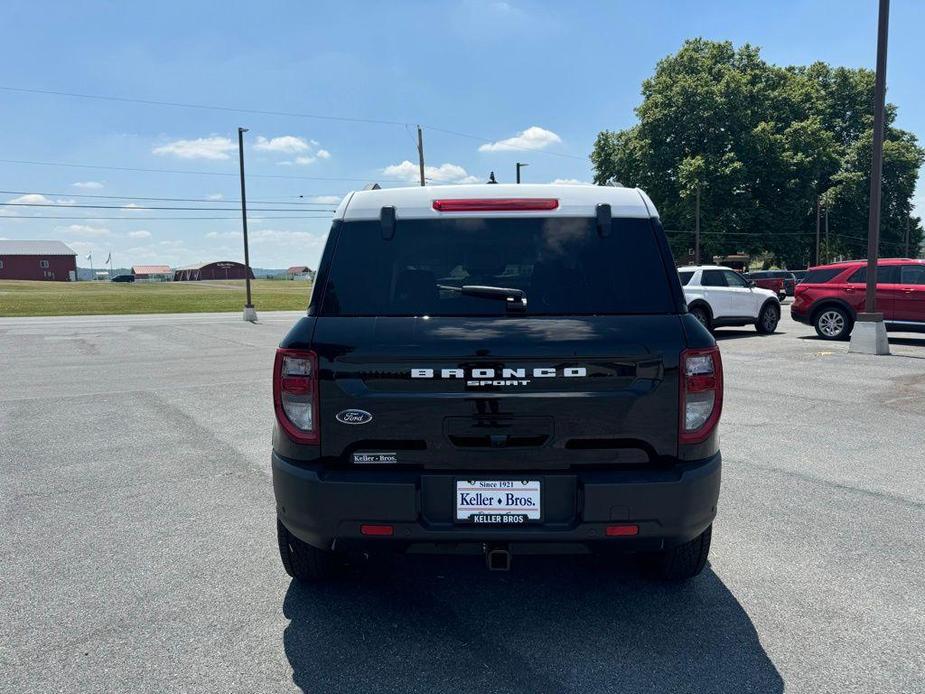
(498, 370)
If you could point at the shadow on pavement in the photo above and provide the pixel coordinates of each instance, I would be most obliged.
(725, 334)
(550, 625)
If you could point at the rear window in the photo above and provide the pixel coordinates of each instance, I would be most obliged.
(562, 264)
(685, 277)
(822, 276)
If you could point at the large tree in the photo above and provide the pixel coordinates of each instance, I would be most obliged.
(762, 143)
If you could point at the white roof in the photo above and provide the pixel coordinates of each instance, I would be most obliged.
(694, 268)
(574, 201)
(12, 247)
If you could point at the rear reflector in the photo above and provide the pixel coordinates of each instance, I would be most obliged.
(377, 530)
(496, 204)
(625, 530)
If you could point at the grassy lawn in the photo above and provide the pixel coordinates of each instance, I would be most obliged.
(21, 298)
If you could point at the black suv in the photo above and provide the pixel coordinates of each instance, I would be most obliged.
(497, 369)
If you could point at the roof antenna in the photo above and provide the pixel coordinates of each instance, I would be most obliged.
(491, 178)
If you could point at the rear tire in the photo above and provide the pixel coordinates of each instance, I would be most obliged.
(832, 323)
(768, 318)
(701, 314)
(303, 562)
(682, 562)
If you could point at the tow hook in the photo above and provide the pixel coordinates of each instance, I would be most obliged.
(498, 558)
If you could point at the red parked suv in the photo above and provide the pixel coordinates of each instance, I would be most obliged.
(830, 296)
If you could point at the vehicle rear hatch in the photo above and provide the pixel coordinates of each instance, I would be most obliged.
(585, 374)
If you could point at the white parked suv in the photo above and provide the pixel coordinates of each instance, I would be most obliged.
(718, 296)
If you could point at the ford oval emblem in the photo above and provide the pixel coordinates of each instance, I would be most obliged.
(354, 417)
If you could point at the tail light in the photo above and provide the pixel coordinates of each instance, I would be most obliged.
(495, 204)
(295, 394)
(701, 391)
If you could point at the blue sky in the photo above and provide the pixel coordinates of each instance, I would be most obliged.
(549, 75)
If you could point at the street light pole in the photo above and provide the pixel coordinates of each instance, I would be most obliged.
(250, 314)
(421, 154)
(519, 167)
(869, 335)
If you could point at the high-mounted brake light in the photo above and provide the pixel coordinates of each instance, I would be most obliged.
(295, 394)
(701, 393)
(496, 204)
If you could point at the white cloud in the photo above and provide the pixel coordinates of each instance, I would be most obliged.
(323, 154)
(88, 185)
(140, 234)
(284, 144)
(445, 173)
(213, 147)
(215, 196)
(223, 234)
(571, 182)
(132, 207)
(84, 230)
(31, 199)
(326, 199)
(533, 137)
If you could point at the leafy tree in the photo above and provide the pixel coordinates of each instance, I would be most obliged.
(763, 143)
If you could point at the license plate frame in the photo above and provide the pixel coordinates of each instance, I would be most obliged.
(493, 513)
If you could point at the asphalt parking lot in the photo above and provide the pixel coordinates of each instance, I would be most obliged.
(138, 547)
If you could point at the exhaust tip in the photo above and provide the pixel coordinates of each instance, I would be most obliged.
(498, 560)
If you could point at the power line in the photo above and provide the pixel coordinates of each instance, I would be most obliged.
(141, 208)
(193, 173)
(263, 112)
(145, 220)
(206, 107)
(139, 197)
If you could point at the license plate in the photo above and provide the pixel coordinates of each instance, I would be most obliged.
(501, 502)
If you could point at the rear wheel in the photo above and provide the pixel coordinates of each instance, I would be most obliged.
(701, 314)
(768, 319)
(832, 323)
(682, 562)
(303, 562)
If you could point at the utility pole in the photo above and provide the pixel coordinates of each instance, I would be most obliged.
(697, 227)
(908, 229)
(828, 251)
(869, 334)
(249, 313)
(421, 154)
(519, 167)
(818, 202)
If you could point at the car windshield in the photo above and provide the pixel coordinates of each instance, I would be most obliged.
(562, 265)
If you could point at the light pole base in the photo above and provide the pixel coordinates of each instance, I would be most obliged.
(869, 335)
(250, 314)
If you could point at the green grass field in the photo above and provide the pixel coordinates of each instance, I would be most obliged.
(21, 298)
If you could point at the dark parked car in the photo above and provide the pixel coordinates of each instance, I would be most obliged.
(780, 281)
(495, 370)
(831, 296)
(123, 278)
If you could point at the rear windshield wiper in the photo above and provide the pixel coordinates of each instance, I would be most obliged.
(515, 299)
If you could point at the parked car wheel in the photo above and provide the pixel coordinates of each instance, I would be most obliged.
(768, 319)
(303, 562)
(832, 323)
(701, 314)
(682, 562)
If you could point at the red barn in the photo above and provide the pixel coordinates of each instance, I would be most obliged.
(37, 260)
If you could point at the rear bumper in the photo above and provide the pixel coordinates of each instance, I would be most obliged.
(326, 507)
(799, 316)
